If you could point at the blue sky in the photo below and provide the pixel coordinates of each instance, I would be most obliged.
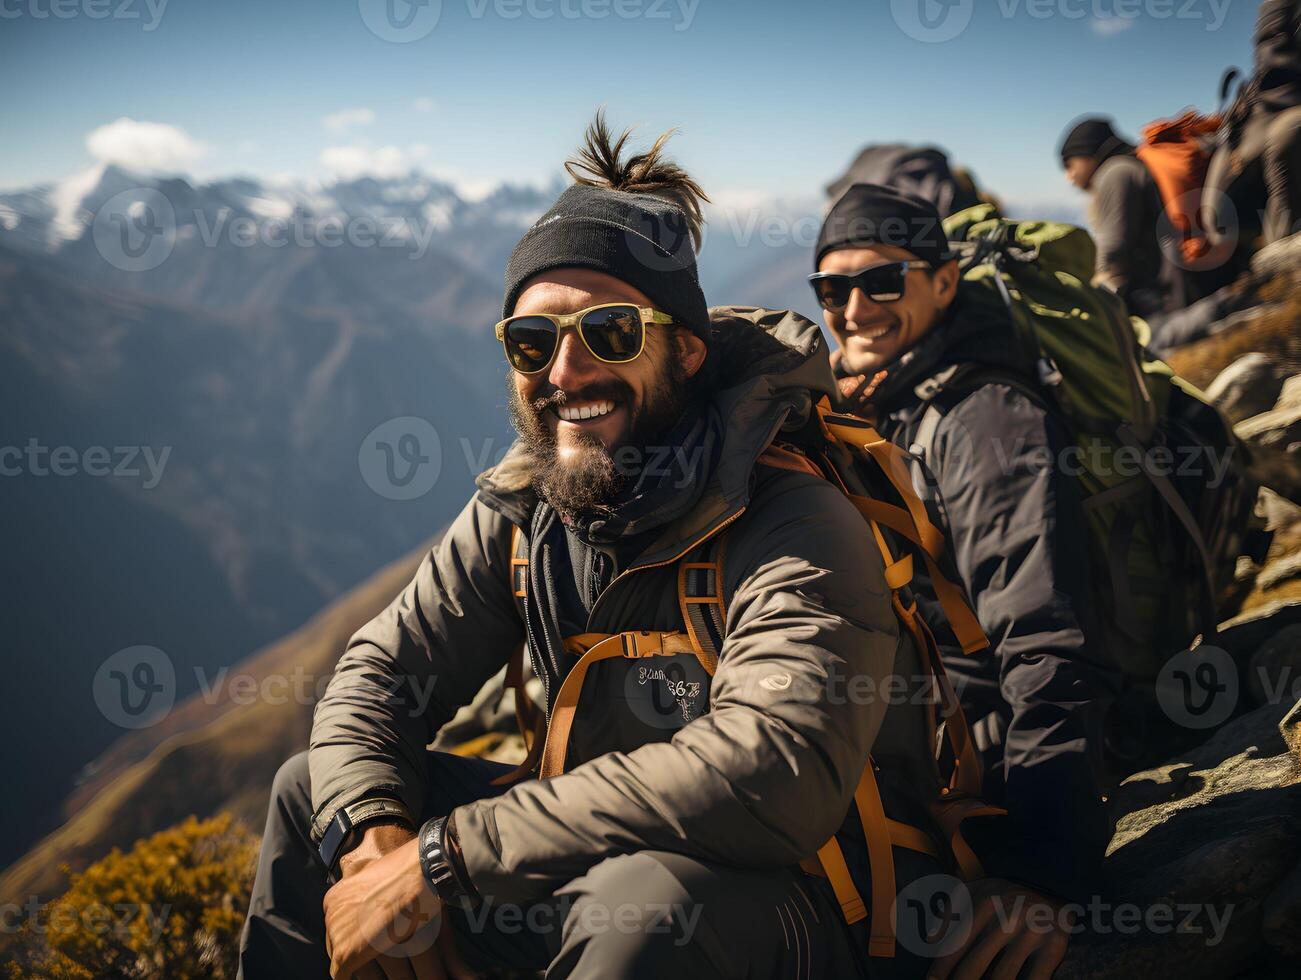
(772, 98)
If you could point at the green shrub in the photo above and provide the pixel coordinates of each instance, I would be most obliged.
(171, 907)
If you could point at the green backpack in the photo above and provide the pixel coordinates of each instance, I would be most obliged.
(1166, 493)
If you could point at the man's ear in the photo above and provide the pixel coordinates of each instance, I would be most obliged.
(946, 282)
(691, 351)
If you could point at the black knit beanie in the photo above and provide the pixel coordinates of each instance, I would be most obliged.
(872, 214)
(641, 239)
(1093, 137)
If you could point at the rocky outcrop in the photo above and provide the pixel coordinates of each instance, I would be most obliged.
(1274, 441)
(1204, 865)
(1249, 386)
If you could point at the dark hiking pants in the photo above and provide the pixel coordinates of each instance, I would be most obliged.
(645, 914)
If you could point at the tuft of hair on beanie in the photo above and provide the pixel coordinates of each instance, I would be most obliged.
(600, 163)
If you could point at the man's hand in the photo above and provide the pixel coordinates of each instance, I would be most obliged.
(382, 919)
(1015, 932)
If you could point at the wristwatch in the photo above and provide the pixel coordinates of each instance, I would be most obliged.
(436, 863)
(345, 829)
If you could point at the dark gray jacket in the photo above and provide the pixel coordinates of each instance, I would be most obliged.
(762, 779)
(1020, 548)
(1125, 215)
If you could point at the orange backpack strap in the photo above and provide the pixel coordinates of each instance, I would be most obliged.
(965, 780)
(784, 458)
(914, 524)
(519, 563)
(700, 600)
(532, 722)
(883, 835)
(591, 648)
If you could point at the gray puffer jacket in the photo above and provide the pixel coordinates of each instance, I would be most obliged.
(760, 780)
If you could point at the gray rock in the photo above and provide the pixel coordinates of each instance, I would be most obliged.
(1249, 386)
(1282, 925)
(1280, 513)
(1273, 439)
(1211, 835)
(1278, 258)
(1274, 672)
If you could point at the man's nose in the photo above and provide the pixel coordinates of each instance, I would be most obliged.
(860, 309)
(574, 365)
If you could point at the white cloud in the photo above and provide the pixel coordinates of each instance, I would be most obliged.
(337, 122)
(144, 146)
(1109, 26)
(423, 103)
(351, 162)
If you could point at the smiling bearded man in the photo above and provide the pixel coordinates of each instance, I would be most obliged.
(690, 765)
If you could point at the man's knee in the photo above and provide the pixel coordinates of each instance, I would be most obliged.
(636, 912)
(291, 791)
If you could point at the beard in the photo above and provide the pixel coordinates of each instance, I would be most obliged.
(584, 476)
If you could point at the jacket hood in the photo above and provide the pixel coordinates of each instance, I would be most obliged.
(769, 366)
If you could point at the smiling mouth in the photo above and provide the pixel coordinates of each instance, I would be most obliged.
(872, 332)
(586, 412)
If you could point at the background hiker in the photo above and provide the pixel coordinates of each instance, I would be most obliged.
(925, 171)
(892, 299)
(1258, 163)
(1125, 217)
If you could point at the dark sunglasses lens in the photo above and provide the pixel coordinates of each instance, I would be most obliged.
(884, 285)
(530, 342)
(614, 333)
(833, 292)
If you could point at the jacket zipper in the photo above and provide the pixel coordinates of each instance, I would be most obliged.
(716, 529)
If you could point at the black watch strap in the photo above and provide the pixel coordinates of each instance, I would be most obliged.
(341, 835)
(436, 862)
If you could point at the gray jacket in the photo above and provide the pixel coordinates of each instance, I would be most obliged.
(763, 778)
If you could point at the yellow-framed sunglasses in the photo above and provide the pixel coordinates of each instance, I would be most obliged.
(613, 332)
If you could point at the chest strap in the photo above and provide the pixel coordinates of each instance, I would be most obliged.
(591, 648)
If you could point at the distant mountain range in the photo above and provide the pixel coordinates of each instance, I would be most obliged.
(251, 375)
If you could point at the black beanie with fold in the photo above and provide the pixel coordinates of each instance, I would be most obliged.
(640, 239)
(1093, 137)
(873, 214)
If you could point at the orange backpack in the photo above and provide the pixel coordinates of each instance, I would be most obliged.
(873, 474)
(1177, 152)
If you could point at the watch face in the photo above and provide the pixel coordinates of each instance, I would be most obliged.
(336, 836)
